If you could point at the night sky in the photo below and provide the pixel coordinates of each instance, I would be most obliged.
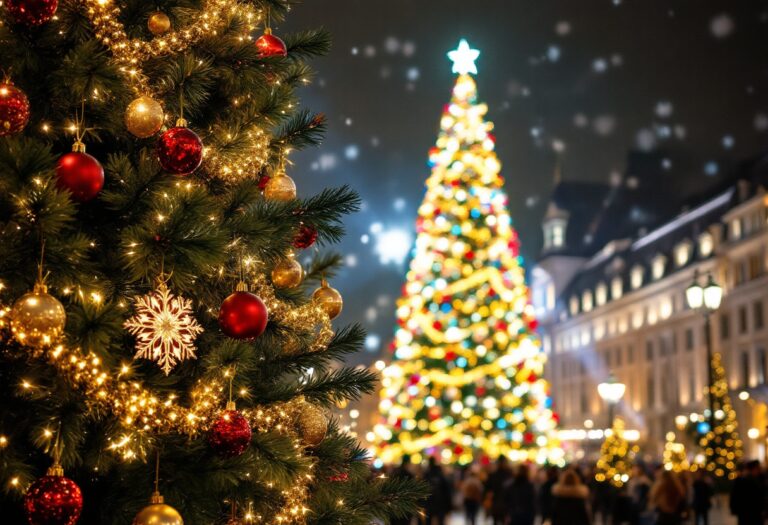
(592, 79)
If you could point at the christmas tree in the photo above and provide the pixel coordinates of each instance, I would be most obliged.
(616, 455)
(721, 443)
(465, 379)
(162, 356)
(674, 457)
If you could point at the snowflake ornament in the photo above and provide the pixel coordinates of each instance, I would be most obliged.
(164, 328)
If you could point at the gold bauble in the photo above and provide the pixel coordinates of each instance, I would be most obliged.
(329, 299)
(37, 318)
(313, 425)
(280, 188)
(159, 23)
(158, 513)
(288, 273)
(144, 117)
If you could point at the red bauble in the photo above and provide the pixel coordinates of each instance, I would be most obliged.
(306, 237)
(53, 500)
(14, 109)
(243, 316)
(270, 45)
(230, 435)
(80, 174)
(31, 12)
(180, 150)
(263, 181)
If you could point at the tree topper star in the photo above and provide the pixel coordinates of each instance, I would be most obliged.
(464, 58)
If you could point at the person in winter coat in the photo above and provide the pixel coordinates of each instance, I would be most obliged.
(520, 497)
(639, 489)
(570, 501)
(494, 491)
(668, 499)
(702, 498)
(472, 494)
(439, 502)
(748, 495)
(545, 493)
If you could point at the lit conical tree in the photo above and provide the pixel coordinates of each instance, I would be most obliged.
(466, 373)
(721, 444)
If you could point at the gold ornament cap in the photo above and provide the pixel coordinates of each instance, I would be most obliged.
(181, 122)
(231, 406)
(55, 470)
(78, 147)
(241, 287)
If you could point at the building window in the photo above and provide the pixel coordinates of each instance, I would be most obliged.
(743, 323)
(608, 359)
(736, 229)
(551, 296)
(745, 369)
(762, 364)
(706, 245)
(657, 267)
(584, 408)
(574, 305)
(601, 294)
(759, 316)
(755, 266)
(637, 277)
(586, 301)
(617, 288)
(554, 234)
(649, 350)
(631, 354)
(618, 356)
(689, 339)
(682, 254)
(725, 327)
(651, 388)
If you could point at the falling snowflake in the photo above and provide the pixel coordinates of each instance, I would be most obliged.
(164, 328)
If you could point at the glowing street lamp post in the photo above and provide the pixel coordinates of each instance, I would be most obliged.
(611, 391)
(706, 299)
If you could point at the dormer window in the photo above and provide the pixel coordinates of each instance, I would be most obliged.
(736, 229)
(586, 301)
(601, 294)
(636, 278)
(554, 234)
(617, 288)
(706, 245)
(657, 267)
(682, 253)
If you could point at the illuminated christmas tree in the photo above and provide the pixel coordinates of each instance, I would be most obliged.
(616, 455)
(721, 444)
(465, 379)
(675, 457)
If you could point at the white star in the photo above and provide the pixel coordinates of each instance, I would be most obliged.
(464, 58)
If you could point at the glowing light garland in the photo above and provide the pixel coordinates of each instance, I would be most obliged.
(466, 375)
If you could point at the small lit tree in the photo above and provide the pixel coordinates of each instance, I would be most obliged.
(616, 456)
(721, 443)
(675, 457)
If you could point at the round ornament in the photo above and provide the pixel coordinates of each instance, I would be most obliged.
(53, 500)
(329, 299)
(159, 23)
(243, 315)
(305, 237)
(180, 150)
(288, 273)
(230, 434)
(144, 117)
(313, 425)
(31, 13)
(14, 109)
(280, 188)
(37, 318)
(158, 513)
(80, 174)
(270, 45)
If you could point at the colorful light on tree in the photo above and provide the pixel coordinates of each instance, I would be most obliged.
(466, 375)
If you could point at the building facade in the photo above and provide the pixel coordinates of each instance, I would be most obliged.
(609, 289)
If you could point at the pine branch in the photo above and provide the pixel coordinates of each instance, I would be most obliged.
(329, 388)
(324, 265)
(325, 210)
(302, 130)
(308, 44)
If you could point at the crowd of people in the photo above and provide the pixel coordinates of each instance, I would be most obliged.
(506, 494)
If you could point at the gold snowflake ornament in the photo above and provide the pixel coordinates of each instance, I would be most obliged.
(164, 328)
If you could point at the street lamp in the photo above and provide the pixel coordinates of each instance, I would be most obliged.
(706, 299)
(611, 391)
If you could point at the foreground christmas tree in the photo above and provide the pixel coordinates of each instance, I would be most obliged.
(162, 357)
(465, 380)
(721, 443)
